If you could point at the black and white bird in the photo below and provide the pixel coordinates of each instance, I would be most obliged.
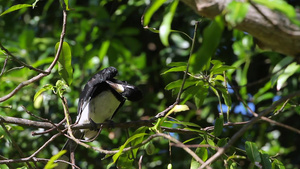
(100, 99)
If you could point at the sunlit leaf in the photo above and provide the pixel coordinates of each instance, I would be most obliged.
(175, 69)
(236, 12)
(67, 4)
(51, 163)
(151, 10)
(177, 84)
(280, 65)
(221, 69)
(165, 27)
(103, 49)
(177, 64)
(279, 5)
(44, 88)
(180, 108)
(15, 7)
(277, 164)
(288, 71)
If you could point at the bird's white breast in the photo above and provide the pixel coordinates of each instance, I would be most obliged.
(99, 109)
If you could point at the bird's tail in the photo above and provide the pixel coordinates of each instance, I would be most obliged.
(70, 146)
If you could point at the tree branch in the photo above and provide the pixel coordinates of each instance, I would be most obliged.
(272, 29)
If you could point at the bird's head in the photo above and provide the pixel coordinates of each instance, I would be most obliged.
(128, 91)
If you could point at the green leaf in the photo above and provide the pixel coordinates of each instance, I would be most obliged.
(233, 166)
(177, 64)
(202, 153)
(67, 4)
(65, 63)
(130, 139)
(184, 123)
(15, 7)
(175, 69)
(103, 49)
(180, 108)
(200, 95)
(51, 163)
(252, 152)
(61, 87)
(177, 84)
(151, 10)
(190, 92)
(278, 69)
(125, 160)
(219, 126)
(277, 164)
(289, 71)
(221, 69)
(265, 161)
(44, 88)
(236, 12)
(211, 39)
(222, 142)
(279, 5)
(165, 27)
(150, 148)
(225, 93)
(280, 65)
(138, 140)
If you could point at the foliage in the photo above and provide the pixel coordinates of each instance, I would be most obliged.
(212, 73)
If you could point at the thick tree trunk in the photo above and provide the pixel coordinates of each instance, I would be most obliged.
(273, 30)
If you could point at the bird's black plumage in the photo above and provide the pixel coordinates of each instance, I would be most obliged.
(99, 100)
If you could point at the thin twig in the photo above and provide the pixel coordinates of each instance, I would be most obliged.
(4, 65)
(140, 162)
(188, 64)
(265, 118)
(44, 145)
(238, 134)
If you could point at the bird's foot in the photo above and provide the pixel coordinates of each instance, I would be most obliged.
(93, 125)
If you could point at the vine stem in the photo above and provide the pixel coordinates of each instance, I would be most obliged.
(188, 64)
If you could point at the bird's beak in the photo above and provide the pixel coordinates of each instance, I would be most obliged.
(117, 87)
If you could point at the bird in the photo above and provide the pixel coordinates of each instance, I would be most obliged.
(100, 99)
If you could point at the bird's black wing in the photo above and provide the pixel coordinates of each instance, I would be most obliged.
(93, 84)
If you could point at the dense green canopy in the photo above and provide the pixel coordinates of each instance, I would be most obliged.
(176, 57)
